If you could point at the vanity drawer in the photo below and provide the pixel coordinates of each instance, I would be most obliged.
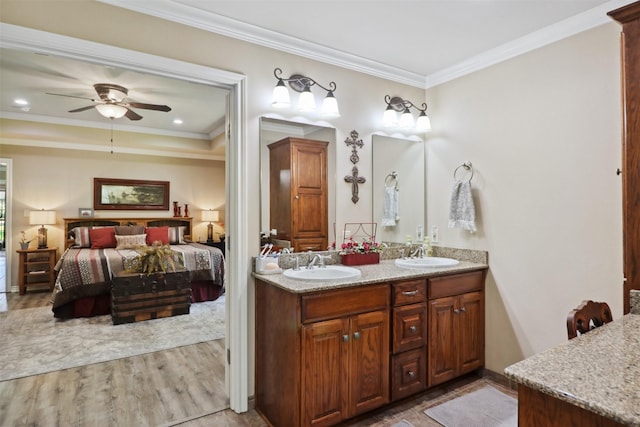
(456, 284)
(408, 373)
(409, 327)
(338, 303)
(409, 292)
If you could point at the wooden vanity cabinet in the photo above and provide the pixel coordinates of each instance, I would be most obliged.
(321, 358)
(409, 343)
(298, 193)
(456, 325)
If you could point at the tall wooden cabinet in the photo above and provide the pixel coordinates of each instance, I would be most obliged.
(629, 17)
(298, 192)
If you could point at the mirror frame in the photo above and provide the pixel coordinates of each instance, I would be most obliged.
(28, 39)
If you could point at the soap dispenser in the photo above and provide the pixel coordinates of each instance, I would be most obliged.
(427, 246)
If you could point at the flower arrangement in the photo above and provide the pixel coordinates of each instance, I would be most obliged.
(23, 238)
(363, 247)
(156, 258)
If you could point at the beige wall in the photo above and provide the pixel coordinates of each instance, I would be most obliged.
(543, 132)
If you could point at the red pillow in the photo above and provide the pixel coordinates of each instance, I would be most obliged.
(157, 233)
(103, 238)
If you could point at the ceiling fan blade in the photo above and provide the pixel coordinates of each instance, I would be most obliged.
(132, 115)
(72, 96)
(77, 110)
(150, 106)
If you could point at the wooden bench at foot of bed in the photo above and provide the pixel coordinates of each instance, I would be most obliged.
(136, 297)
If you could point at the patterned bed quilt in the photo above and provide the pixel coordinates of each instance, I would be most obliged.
(84, 272)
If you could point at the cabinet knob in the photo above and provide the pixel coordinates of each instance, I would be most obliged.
(463, 309)
(345, 338)
(411, 374)
(356, 335)
(297, 197)
(413, 328)
(456, 311)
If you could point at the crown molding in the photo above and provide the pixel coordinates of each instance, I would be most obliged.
(187, 15)
(566, 28)
(204, 20)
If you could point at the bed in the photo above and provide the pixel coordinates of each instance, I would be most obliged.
(99, 248)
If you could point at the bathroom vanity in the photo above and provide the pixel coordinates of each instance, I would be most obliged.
(327, 351)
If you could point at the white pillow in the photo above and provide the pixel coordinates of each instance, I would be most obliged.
(131, 241)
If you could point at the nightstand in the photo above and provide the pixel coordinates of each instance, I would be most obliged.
(219, 245)
(36, 267)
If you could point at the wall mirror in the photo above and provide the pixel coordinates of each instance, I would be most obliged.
(399, 165)
(275, 129)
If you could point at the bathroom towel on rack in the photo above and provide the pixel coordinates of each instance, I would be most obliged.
(390, 210)
(462, 213)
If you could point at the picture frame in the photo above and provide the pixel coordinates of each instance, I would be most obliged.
(130, 194)
(85, 212)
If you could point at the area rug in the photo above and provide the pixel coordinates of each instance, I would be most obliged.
(34, 342)
(486, 407)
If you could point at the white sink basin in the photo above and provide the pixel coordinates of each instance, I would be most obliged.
(330, 272)
(430, 261)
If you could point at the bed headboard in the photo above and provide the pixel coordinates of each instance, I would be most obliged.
(71, 223)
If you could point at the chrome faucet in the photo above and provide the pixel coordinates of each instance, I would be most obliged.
(419, 252)
(296, 261)
(320, 260)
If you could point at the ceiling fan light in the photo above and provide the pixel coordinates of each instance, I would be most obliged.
(111, 111)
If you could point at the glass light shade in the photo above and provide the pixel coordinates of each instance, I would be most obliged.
(423, 124)
(111, 111)
(42, 217)
(406, 119)
(389, 118)
(330, 106)
(307, 101)
(210, 216)
(280, 98)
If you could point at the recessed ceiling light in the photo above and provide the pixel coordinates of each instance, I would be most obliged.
(20, 101)
(177, 121)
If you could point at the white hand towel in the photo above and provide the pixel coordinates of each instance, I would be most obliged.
(462, 213)
(390, 214)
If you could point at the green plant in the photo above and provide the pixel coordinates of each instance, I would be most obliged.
(158, 258)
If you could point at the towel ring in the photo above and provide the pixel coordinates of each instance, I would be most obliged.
(468, 168)
(393, 176)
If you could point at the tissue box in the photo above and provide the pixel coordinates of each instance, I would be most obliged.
(267, 265)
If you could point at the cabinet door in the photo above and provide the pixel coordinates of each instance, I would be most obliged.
(470, 330)
(441, 341)
(409, 327)
(369, 362)
(324, 372)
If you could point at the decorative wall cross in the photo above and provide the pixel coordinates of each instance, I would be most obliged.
(354, 179)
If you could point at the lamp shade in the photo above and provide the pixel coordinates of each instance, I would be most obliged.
(111, 111)
(42, 217)
(210, 215)
(280, 97)
(330, 106)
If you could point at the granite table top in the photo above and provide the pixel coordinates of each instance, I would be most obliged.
(598, 371)
(385, 271)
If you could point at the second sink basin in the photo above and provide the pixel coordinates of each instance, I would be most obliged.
(330, 272)
(430, 261)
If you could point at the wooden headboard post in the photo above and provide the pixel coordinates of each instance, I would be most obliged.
(71, 223)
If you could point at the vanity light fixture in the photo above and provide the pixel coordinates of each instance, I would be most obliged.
(42, 218)
(211, 216)
(306, 101)
(397, 105)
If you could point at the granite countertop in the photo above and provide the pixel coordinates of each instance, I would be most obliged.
(598, 371)
(385, 271)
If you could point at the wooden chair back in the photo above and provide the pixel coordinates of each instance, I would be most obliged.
(587, 316)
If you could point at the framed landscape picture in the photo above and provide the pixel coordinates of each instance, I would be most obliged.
(130, 194)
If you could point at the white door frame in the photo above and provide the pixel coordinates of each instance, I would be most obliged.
(21, 38)
(8, 230)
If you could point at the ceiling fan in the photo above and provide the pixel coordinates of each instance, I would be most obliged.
(111, 102)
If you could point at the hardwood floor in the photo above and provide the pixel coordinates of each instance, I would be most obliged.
(177, 387)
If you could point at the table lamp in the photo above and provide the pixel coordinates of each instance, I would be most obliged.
(42, 218)
(211, 216)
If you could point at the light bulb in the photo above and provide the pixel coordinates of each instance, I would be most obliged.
(307, 102)
(406, 119)
(330, 106)
(389, 118)
(280, 98)
(423, 124)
